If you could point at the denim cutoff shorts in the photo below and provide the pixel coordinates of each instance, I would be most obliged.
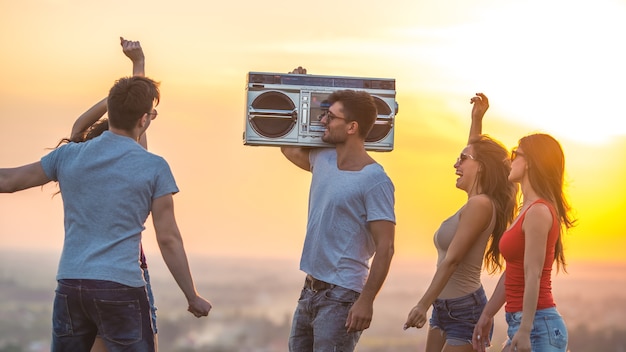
(549, 333)
(456, 317)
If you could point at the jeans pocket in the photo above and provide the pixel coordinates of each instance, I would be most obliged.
(514, 318)
(121, 320)
(556, 331)
(61, 319)
(341, 295)
(468, 314)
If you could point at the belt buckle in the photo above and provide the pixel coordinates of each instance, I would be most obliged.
(314, 286)
(312, 282)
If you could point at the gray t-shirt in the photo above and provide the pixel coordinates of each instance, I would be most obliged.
(338, 243)
(108, 185)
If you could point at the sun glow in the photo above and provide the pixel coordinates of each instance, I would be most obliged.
(553, 65)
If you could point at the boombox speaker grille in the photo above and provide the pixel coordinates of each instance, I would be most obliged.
(273, 114)
(383, 123)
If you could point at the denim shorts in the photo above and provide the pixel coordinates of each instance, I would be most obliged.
(456, 317)
(549, 333)
(119, 314)
(319, 322)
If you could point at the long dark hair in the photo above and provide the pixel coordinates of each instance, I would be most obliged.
(493, 179)
(91, 132)
(546, 172)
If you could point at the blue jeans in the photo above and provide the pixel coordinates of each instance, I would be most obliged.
(118, 313)
(153, 308)
(319, 322)
(549, 333)
(456, 317)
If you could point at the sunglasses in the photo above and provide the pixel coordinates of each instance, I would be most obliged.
(462, 157)
(153, 114)
(515, 154)
(329, 116)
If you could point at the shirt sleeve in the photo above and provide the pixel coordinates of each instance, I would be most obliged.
(380, 202)
(50, 162)
(165, 182)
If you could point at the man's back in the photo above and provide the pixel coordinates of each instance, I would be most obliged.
(107, 186)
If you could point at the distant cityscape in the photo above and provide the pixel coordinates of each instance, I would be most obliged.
(253, 301)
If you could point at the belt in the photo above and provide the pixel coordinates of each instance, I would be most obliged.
(316, 285)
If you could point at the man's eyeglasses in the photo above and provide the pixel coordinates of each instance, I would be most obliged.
(153, 114)
(515, 154)
(329, 116)
(462, 157)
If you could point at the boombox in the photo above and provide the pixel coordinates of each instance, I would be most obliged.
(285, 109)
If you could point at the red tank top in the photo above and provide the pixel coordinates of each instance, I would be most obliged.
(512, 249)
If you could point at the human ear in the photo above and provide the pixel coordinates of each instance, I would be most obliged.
(354, 127)
(143, 120)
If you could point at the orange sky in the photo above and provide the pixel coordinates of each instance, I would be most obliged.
(554, 68)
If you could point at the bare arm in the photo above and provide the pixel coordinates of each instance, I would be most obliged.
(474, 219)
(298, 155)
(360, 315)
(482, 329)
(88, 118)
(171, 244)
(481, 104)
(23, 177)
(133, 51)
(536, 226)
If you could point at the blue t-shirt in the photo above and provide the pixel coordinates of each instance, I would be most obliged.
(338, 243)
(108, 185)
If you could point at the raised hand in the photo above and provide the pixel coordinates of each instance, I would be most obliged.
(133, 50)
(481, 104)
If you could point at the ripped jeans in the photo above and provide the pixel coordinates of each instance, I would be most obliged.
(319, 321)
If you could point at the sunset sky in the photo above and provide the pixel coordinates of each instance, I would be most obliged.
(547, 66)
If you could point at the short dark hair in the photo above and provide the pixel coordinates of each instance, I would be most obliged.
(129, 99)
(358, 106)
